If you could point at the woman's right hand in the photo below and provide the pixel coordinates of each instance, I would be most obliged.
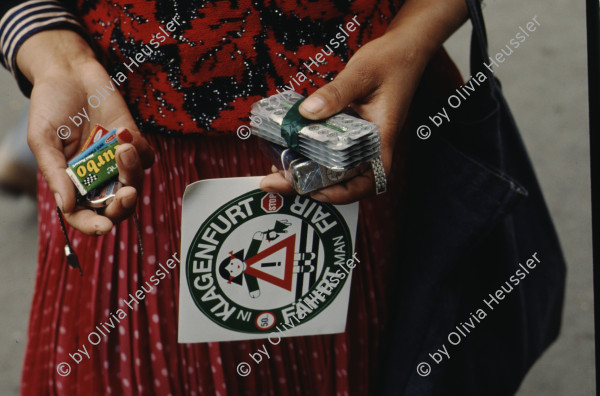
(64, 73)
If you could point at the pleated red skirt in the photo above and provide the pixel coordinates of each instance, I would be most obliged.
(140, 355)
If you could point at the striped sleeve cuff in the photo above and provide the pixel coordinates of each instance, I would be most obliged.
(26, 19)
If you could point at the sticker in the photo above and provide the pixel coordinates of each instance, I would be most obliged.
(254, 260)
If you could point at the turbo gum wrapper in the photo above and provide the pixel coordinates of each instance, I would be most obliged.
(95, 169)
(95, 135)
(105, 140)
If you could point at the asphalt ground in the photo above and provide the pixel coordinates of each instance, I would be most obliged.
(545, 82)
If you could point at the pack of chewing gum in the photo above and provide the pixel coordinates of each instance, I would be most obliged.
(95, 167)
(94, 173)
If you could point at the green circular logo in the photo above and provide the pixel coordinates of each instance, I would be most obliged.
(263, 259)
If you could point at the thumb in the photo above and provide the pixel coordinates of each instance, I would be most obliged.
(52, 163)
(335, 96)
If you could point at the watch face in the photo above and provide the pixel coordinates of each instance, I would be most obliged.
(102, 196)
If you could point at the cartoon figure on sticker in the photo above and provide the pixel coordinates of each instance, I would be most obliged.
(247, 268)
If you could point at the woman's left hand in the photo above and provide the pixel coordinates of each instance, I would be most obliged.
(379, 82)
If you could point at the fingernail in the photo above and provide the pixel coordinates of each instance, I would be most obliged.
(128, 157)
(313, 104)
(102, 228)
(265, 184)
(320, 197)
(129, 201)
(99, 232)
(58, 201)
(126, 136)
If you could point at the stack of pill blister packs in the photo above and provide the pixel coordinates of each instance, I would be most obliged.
(313, 154)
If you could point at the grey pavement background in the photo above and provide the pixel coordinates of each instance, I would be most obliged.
(545, 82)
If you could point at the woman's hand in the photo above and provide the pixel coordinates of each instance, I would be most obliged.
(379, 82)
(64, 73)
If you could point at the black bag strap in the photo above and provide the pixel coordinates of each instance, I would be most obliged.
(479, 138)
(479, 44)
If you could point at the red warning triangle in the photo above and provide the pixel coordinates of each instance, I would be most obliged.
(289, 245)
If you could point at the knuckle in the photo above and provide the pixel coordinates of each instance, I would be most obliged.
(123, 179)
(47, 175)
(34, 143)
(335, 91)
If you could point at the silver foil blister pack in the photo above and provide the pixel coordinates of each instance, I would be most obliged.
(304, 174)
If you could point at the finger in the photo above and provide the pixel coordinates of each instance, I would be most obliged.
(52, 163)
(130, 166)
(133, 136)
(353, 190)
(89, 222)
(330, 99)
(123, 205)
(275, 182)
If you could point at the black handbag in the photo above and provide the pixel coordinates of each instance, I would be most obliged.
(474, 215)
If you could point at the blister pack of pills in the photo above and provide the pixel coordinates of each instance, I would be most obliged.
(304, 174)
(340, 142)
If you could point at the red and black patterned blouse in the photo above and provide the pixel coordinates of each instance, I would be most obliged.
(203, 63)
